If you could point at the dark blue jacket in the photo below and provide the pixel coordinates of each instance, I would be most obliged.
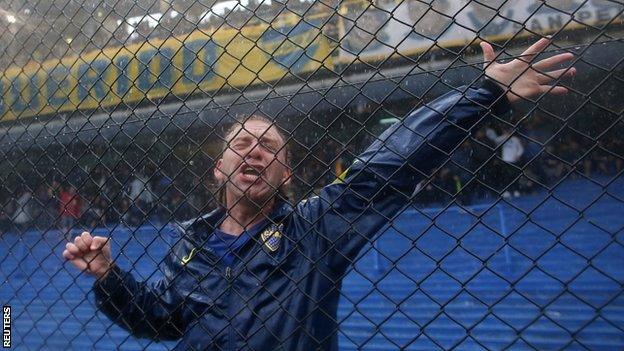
(282, 291)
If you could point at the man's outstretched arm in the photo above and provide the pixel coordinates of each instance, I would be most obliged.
(380, 182)
(151, 311)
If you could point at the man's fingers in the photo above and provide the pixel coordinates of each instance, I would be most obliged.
(555, 90)
(529, 54)
(80, 264)
(75, 256)
(548, 77)
(86, 238)
(81, 244)
(98, 242)
(68, 255)
(488, 52)
(73, 249)
(545, 64)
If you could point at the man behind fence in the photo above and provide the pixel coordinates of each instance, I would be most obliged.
(261, 274)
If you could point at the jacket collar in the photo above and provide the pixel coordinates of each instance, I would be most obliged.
(206, 224)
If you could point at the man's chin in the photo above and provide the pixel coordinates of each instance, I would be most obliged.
(255, 197)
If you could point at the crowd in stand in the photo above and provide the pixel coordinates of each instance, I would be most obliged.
(63, 205)
(511, 164)
(491, 164)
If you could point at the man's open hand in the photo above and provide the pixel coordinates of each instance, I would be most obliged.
(91, 254)
(522, 78)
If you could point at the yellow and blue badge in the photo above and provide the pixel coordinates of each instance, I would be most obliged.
(272, 237)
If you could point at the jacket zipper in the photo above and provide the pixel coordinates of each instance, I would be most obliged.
(228, 277)
(230, 309)
(228, 273)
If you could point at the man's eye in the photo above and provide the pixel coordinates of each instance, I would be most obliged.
(270, 147)
(238, 145)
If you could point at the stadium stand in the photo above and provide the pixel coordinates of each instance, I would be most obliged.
(414, 276)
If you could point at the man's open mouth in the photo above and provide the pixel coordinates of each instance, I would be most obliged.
(251, 172)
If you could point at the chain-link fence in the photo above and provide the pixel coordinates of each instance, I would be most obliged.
(264, 174)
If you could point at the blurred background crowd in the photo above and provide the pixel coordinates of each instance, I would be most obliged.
(130, 185)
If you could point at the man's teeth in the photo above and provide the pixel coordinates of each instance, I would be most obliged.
(251, 171)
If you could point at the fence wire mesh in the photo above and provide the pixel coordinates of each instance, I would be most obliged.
(267, 174)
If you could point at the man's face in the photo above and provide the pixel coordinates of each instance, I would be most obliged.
(253, 166)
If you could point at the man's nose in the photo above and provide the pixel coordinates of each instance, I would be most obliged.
(254, 151)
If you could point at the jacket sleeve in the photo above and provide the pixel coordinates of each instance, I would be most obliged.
(146, 310)
(379, 184)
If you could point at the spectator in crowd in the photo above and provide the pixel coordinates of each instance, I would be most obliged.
(140, 195)
(5, 221)
(511, 152)
(70, 205)
(534, 139)
(23, 215)
(553, 167)
(178, 207)
(7, 207)
(512, 149)
(94, 212)
(45, 200)
(124, 214)
(163, 186)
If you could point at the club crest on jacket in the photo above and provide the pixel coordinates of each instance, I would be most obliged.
(272, 236)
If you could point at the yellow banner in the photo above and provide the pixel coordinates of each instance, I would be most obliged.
(198, 63)
(378, 31)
